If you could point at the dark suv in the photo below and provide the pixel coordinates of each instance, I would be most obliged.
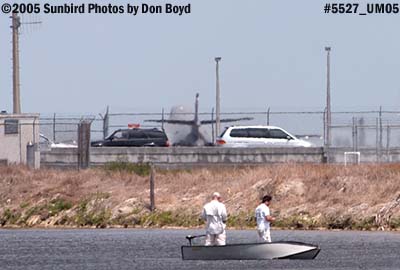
(134, 137)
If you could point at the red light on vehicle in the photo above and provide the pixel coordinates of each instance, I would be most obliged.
(133, 125)
(167, 144)
(221, 142)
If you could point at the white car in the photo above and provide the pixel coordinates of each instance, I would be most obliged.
(259, 136)
(46, 143)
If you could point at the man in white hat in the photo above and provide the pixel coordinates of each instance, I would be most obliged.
(214, 213)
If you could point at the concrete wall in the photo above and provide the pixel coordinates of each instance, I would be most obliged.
(209, 156)
(171, 156)
(13, 146)
(59, 157)
(336, 155)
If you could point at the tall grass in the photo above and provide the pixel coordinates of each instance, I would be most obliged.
(303, 194)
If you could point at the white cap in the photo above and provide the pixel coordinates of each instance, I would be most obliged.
(216, 195)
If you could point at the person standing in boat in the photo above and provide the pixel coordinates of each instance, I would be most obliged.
(264, 218)
(214, 213)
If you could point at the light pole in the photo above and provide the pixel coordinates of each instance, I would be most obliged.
(218, 99)
(16, 23)
(328, 98)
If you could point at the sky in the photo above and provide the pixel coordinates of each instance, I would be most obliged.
(272, 56)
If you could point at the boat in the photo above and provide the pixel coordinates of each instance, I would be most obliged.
(251, 251)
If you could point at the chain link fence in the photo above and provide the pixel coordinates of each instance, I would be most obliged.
(365, 130)
(354, 130)
(59, 128)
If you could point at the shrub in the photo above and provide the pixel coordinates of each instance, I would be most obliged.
(242, 220)
(365, 224)
(141, 169)
(58, 205)
(10, 217)
(395, 223)
(24, 205)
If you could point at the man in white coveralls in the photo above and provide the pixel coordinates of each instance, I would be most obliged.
(263, 217)
(214, 213)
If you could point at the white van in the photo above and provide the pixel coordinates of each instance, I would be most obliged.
(259, 136)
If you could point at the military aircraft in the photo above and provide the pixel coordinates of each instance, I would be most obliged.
(192, 135)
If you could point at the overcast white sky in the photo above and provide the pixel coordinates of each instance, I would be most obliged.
(272, 55)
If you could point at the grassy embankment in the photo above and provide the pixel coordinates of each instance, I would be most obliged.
(305, 196)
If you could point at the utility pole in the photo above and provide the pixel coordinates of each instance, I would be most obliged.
(328, 98)
(218, 99)
(16, 23)
(152, 198)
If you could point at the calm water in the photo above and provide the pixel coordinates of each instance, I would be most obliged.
(160, 249)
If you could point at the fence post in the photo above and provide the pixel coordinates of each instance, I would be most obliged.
(387, 142)
(105, 123)
(361, 129)
(162, 120)
(54, 127)
(152, 200)
(377, 139)
(354, 134)
(380, 128)
(214, 137)
(30, 155)
(326, 147)
(324, 125)
(84, 144)
(268, 111)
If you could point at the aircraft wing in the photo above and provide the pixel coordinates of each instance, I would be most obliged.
(180, 122)
(227, 120)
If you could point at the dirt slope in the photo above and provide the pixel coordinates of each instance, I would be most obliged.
(304, 196)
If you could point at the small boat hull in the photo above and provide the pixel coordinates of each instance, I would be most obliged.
(252, 251)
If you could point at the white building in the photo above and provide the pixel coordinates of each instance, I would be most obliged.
(16, 132)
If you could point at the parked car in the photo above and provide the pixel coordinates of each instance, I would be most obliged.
(46, 143)
(134, 137)
(259, 136)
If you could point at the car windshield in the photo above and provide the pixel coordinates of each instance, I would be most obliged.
(223, 132)
(119, 134)
(278, 134)
(44, 138)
